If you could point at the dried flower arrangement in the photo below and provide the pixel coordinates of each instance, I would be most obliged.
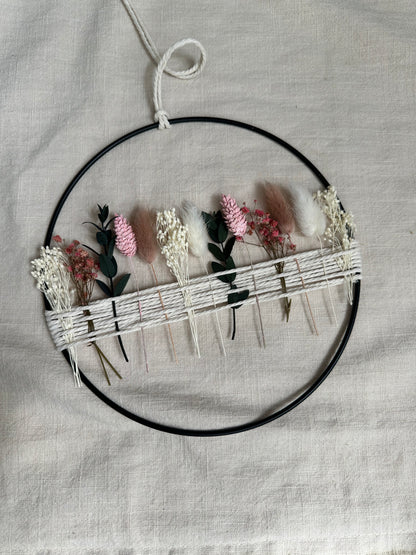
(221, 249)
(198, 246)
(340, 231)
(144, 229)
(50, 271)
(126, 243)
(65, 270)
(276, 243)
(172, 237)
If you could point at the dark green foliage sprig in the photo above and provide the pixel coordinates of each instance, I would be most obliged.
(106, 238)
(221, 249)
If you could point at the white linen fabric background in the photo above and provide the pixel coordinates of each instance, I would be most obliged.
(337, 80)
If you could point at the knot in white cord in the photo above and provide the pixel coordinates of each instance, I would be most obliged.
(162, 63)
(162, 117)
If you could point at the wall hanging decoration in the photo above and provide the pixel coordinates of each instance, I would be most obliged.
(67, 274)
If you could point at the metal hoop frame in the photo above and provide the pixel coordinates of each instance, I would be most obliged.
(343, 341)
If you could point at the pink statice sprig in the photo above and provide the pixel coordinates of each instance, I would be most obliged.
(234, 217)
(125, 238)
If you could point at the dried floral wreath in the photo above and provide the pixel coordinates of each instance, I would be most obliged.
(67, 272)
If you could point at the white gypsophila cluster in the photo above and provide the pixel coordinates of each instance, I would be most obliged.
(341, 228)
(172, 237)
(53, 280)
(340, 231)
(52, 277)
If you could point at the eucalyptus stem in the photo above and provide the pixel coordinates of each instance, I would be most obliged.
(234, 324)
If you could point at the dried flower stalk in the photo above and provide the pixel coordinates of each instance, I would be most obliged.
(172, 237)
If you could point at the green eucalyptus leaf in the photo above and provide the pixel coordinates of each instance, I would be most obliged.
(217, 267)
(229, 263)
(216, 251)
(243, 295)
(222, 232)
(213, 234)
(121, 285)
(108, 265)
(111, 246)
(229, 245)
(102, 238)
(114, 262)
(228, 278)
(103, 287)
(238, 297)
(104, 213)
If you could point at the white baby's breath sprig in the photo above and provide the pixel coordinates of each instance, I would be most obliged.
(172, 237)
(340, 230)
(53, 280)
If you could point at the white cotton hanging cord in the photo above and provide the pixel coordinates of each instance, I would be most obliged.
(162, 63)
(136, 284)
(203, 265)
(327, 284)
(257, 297)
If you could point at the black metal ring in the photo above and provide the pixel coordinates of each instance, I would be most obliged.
(321, 377)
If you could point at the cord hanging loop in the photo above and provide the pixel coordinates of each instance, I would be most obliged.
(162, 63)
(160, 115)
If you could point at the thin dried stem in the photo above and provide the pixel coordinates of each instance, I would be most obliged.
(216, 313)
(307, 297)
(257, 297)
(166, 316)
(136, 280)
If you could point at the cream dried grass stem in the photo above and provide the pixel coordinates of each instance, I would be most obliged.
(307, 297)
(327, 284)
(166, 316)
(136, 283)
(257, 297)
(203, 265)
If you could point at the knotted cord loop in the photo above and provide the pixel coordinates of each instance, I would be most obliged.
(162, 63)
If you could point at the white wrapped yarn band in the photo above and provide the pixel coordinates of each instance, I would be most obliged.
(209, 295)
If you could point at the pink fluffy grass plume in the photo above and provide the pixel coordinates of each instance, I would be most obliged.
(233, 216)
(125, 239)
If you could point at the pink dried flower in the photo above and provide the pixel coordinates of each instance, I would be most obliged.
(57, 238)
(125, 239)
(233, 216)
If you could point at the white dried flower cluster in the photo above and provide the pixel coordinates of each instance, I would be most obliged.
(172, 237)
(53, 280)
(340, 231)
(52, 277)
(341, 228)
